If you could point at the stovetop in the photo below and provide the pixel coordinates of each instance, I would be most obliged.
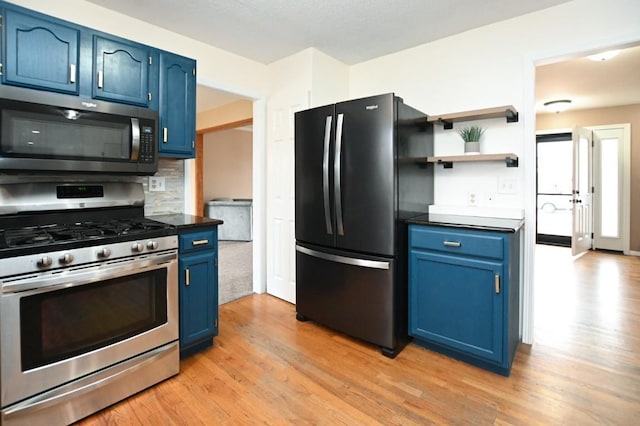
(52, 237)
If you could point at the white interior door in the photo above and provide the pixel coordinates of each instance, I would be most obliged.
(582, 211)
(281, 273)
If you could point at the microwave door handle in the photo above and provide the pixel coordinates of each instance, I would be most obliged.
(135, 139)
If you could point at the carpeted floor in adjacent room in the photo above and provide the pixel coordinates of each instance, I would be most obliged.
(235, 270)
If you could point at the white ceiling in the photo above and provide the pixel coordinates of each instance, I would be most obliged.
(353, 31)
(590, 84)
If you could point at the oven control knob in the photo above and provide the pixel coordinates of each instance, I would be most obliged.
(104, 253)
(152, 245)
(137, 247)
(66, 259)
(44, 262)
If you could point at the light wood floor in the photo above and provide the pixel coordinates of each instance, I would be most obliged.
(266, 367)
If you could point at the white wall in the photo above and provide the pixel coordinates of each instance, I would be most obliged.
(485, 67)
(227, 164)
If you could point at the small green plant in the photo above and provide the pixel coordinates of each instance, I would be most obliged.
(471, 134)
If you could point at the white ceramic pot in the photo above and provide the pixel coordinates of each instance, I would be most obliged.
(471, 148)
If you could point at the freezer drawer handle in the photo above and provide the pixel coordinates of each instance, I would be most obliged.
(365, 263)
(325, 174)
(337, 165)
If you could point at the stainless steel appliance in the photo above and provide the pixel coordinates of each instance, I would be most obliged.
(88, 299)
(359, 173)
(43, 131)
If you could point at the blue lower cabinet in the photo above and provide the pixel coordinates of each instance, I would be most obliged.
(464, 295)
(198, 290)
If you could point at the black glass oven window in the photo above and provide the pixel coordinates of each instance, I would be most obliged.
(54, 135)
(65, 323)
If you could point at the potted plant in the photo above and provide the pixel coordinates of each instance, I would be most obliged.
(471, 137)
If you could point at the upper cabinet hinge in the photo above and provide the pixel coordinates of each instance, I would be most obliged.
(150, 60)
(149, 96)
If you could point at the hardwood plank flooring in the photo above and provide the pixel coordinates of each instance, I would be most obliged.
(268, 368)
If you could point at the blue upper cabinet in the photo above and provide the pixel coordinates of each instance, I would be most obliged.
(40, 53)
(177, 106)
(121, 71)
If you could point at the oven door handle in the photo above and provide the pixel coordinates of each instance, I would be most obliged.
(74, 277)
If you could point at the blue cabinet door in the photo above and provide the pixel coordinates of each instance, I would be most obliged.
(177, 106)
(457, 302)
(40, 53)
(121, 71)
(198, 297)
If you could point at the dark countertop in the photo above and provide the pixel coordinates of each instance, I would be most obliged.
(182, 221)
(468, 222)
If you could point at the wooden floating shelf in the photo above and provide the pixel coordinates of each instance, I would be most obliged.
(447, 120)
(511, 160)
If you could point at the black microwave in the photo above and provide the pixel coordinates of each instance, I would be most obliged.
(51, 132)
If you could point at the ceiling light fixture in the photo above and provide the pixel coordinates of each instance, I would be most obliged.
(604, 56)
(558, 106)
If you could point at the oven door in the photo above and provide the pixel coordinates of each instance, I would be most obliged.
(57, 327)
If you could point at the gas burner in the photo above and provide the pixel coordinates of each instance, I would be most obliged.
(27, 236)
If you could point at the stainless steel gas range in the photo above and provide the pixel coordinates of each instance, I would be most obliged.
(88, 299)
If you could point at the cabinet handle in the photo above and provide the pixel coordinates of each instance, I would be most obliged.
(199, 242)
(452, 243)
(497, 282)
(72, 73)
(100, 79)
(165, 134)
(187, 281)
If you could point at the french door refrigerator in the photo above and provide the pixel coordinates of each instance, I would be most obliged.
(359, 174)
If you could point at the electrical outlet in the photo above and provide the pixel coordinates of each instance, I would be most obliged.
(472, 199)
(156, 184)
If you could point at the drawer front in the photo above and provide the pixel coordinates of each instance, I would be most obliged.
(198, 240)
(451, 240)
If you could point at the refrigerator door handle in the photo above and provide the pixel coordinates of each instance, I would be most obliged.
(365, 263)
(337, 165)
(325, 174)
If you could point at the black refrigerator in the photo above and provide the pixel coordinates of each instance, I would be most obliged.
(360, 172)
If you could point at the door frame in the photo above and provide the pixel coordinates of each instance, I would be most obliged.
(529, 63)
(259, 178)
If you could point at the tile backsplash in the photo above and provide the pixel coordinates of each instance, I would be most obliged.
(171, 200)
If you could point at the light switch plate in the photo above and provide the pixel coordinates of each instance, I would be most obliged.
(156, 184)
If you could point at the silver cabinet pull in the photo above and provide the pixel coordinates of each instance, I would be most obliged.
(165, 134)
(72, 73)
(199, 242)
(187, 281)
(452, 243)
(497, 283)
(100, 79)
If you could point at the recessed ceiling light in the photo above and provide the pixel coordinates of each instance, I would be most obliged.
(604, 56)
(558, 106)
